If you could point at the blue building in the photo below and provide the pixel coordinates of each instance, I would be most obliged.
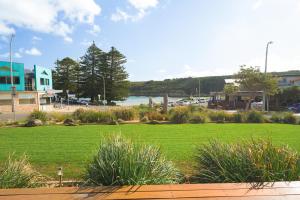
(33, 87)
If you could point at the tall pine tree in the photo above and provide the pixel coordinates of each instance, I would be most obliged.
(64, 75)
(90, 71)
(115, 75)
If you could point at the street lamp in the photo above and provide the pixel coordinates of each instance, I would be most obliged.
(13, 88)
(266, 66)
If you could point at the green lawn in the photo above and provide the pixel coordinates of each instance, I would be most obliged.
(51, 146)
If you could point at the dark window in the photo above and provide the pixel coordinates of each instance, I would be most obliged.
(16, 80)
(6, 80)
(47, 81)
(42, 81)
(2, 80)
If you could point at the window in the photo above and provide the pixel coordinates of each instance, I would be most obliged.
(26, 101)
(42, 81)
(16, 80)
(6, 80)
(47, 81)
(2, 80)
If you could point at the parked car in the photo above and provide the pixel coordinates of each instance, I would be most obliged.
(257, 105)
(294, 108)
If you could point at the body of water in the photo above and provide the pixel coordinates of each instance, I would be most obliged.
(137, 100)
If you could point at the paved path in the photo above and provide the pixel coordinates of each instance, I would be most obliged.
(225, 191)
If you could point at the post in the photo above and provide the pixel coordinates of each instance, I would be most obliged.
(68, 98)
(165, 107)
(60, 174)
(13, 89)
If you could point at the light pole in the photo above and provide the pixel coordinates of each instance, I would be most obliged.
(103, 89)
(13, 88)
(266, 66)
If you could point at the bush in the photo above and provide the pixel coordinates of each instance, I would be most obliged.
(58, 117)
(78, 113)
(285, 117)
(124, 114)
(90, 116)
(155, 115)
(256, 161)
(219, 116)
(198, 118)
(38, 115)
(179, 115)
(238, 117)
(18, 173)
(255, 117)
(121, 162)
(289, 118)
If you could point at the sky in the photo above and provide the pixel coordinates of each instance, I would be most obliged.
(160, 38)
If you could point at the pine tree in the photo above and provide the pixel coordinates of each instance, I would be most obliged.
(64, 75)
(90, 70)
(115, 75)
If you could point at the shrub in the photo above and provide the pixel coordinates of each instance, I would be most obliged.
(289, 118)
(255, 117)
(90, 116)
(219, 116)
(284, 117)
(144, 119)
(38, 115)
(77, 113)
(155, 115)
(198, 118)
(238, 117)
(256, 161)
(121, 162)
(124, 114)
(179, 115)
(58, 117)
(18, 173)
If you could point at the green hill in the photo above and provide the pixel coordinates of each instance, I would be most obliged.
(181, 87)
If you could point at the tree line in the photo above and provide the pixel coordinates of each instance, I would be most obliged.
(87, 77)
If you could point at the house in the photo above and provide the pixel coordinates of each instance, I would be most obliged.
(289, 80)
(33, 87)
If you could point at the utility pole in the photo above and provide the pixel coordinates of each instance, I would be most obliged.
(13, 88)
(266, 66)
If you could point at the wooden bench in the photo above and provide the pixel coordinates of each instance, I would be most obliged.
(227, 191)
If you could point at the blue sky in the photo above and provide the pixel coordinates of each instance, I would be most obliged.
(160, 38)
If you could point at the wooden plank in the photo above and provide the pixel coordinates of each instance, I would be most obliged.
(233, 191)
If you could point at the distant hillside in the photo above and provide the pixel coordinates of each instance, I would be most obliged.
(181, 87)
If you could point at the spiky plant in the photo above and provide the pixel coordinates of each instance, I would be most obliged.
(121, 162)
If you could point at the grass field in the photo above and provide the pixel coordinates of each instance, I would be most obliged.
(49, 147)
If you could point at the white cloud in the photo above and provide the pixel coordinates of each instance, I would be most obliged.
(47, 16)
(95, 30)
(36, 38)
(142, 6)
(86, 43)
(257, 4)
(33, 52)
(120, 15)
(18, 55)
